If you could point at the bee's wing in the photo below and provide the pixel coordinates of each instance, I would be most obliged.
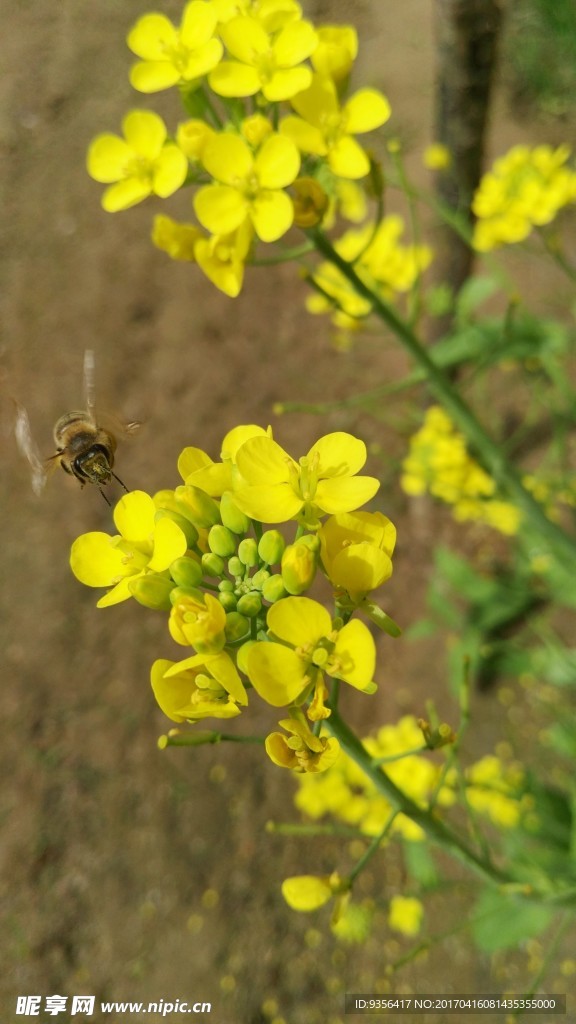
(28, 448)
(90, 383)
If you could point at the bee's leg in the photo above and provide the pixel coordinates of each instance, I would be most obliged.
(109, 503)
(121, 482)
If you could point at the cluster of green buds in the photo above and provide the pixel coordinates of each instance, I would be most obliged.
(210, 553)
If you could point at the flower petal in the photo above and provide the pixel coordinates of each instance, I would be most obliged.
(276, 673)
(277, 162)
(360, 567)
(267, 504)
(152, 36)
(145, 133)
(227, 158)
(233, 79)
(170, 170)
(96, 561)
(203, 60)
(339, 454)
(356, 651)
(294, 43)
(125, 194)
(272, 214)
(365, 110)
(245, 39)
(306, 892)
(198, 23)
(134, 517)
(121, 592)
(318, 102)
(345, 494)
(299, 620)
(220, 208)
(306, 136)
(284, 84)
(348, 159)
(261, 460)
(107, 157)
(153, 75)
(169, 544)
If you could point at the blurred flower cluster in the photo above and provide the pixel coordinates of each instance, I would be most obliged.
(525, 189)
(235, 591)
(438, 462)
(270, 138)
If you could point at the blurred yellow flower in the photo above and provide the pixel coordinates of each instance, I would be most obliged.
(171, 55)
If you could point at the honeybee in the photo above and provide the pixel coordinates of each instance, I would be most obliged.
(84, 448)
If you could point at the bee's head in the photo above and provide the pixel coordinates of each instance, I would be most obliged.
(94, 465)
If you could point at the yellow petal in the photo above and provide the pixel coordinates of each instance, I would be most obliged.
(169, 544)
(238, 436)
(227, 158)
(284, 84)
(224, 671)
(203, 60)
(299, 621)
(261, 460)
(294, 43)
(227, 275)
(152, 36)
(153, 75)
(125, 194)
(348, 159)
(338, 454)
(96, 561)
(145, 132)
(276, 673)
(365, 110)
(305, 136)
(107, 157)
(233, 79)
(272, 214)
(266, 504)
(277, 162)
(345, 494)
(356, 651)
(306, 892)
(192, 459)
(134, 516)
(279, 752)
(360, 568)
(220, 208)
(245, 39)
(198, 24)
(170, 170)
(318, 102)
(121, 592)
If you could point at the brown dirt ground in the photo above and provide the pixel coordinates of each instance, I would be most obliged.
(109, 846)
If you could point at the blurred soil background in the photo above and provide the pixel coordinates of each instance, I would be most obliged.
(130, 873)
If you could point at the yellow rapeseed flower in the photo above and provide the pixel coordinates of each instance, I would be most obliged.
(301, 750)
(264, 61)
(356, 550)
(325, 129)
(139, 165)
(248, 186)
(198, 622)
(146, 543)
(525, 188)
(405, 915)
(273, 14)
(336, 51)
(271, 487)
(283, 672)
(178, 240)
(171, 55)
(204, 686)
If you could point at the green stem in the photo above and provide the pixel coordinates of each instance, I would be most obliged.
(372, 849)
(490, 451)
(434, 828)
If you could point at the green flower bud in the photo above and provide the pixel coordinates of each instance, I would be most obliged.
(236, 627)
(273, 588)
(213, 565)
(298, 568)
(250, 604)
(186, 572)
(259, 578)
(228, 600)
(248, 551)
(235, 566)
(310, 541)
(231, 515)
(197, 506)
(221, 541)
(226, 586)
(153, 591)
(188, 528)
(271, 547)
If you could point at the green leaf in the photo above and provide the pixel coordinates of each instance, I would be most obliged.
(501, 921)
(420, 864)
(474, 292)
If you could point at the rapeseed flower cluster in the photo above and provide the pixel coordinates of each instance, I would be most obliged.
(209, 553)
(270, 137)
(439, 463)
(526, 188)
